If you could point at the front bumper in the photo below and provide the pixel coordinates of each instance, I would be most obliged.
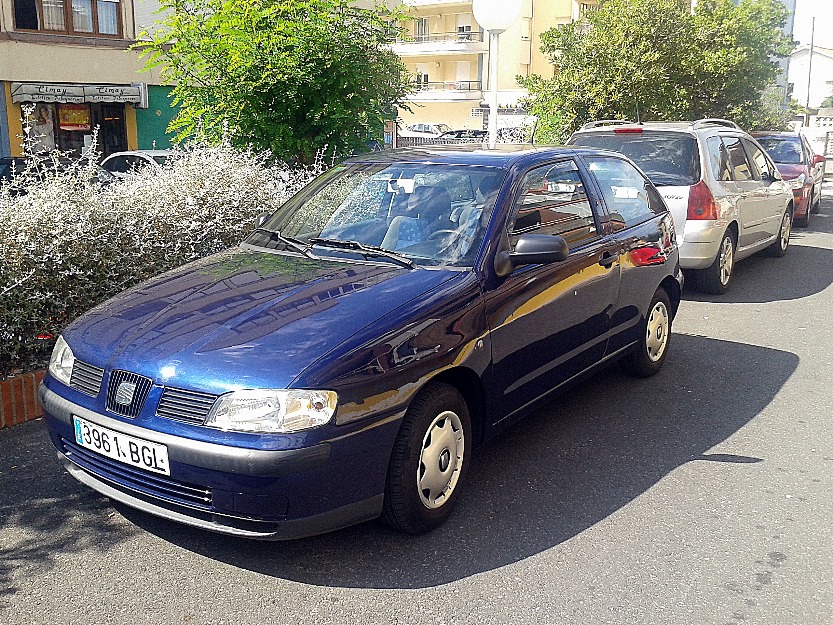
(259, 493)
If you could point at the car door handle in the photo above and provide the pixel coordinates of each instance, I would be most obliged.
(608, 259)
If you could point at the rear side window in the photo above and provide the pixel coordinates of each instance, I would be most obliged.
(667, 158)
(718, 159)
(742, 170)
(553, 200)
(759, 160)
(629, 197)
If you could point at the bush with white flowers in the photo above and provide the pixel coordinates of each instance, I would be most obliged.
(67, 242)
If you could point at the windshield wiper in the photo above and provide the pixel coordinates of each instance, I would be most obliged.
(365, 250)
(290, 242)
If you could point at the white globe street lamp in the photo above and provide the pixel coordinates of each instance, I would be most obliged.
(495, 16)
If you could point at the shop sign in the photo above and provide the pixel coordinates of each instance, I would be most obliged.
(74, 94)
(74, 117)
(33, 92)
(112, 93)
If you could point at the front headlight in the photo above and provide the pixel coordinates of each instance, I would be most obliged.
(60, 365)
(278, 411)
(797, 183)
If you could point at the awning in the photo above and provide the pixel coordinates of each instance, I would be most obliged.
(74, 94)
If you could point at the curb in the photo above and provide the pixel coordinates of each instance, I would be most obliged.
(19, 399)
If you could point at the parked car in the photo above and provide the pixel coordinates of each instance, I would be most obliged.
(13, 168)
(800, 166)
(725, 193)
(464, 133)
(423, 130)
(344, 360)
(120, 164)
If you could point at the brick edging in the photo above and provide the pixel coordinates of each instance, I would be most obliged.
(19, 399)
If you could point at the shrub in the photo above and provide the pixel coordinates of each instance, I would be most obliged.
(68, 242)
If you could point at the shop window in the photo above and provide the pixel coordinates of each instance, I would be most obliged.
(82, 17)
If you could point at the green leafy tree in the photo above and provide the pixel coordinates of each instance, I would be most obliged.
(291, 76)
(654, 59)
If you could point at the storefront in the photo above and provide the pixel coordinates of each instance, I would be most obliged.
(64, 116)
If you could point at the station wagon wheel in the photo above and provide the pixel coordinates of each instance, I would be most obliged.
(649, 355)
(782, 242)
(429, 459)
(715, 279)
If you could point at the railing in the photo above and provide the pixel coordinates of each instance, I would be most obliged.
(453, 85)
(456, 37)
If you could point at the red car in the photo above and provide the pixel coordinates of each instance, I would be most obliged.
(800, 166)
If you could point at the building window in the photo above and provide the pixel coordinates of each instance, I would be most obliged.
(74, 17)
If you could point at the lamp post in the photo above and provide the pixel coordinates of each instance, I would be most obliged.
(495, 16)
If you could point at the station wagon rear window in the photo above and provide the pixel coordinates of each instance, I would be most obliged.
(667, 158)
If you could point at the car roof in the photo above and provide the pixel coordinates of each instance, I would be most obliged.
(706, 124)
(775, 133)
(503, 156)
(141, 153)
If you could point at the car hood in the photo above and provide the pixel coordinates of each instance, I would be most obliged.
(789, 171)
(242, 318)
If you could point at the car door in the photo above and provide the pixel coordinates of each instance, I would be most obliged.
(765, 172)
(548, 322)
(751, 198)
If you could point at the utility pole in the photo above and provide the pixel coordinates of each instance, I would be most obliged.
(809, 75)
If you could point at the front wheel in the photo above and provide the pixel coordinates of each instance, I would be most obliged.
(782, 242)
(429, 458)
(652, 350)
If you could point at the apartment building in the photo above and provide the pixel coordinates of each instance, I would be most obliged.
(71, 61)
(447, 53)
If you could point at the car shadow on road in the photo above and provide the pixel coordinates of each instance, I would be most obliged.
(547, 479)
(45, 515)
(804, 271)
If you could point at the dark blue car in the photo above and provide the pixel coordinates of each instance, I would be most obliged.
(343, 362)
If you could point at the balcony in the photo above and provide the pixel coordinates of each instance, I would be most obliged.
(449, 91)
(441, 43)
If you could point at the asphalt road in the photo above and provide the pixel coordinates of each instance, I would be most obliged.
(702, 495)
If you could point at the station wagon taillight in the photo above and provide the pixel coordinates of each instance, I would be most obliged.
(701, 204)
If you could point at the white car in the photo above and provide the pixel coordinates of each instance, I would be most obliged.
(120, 164)
(423, 130)
(725, 193)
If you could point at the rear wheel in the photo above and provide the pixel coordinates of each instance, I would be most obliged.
(715, 279)
(782, 242)
(649, 356)
(429, 459)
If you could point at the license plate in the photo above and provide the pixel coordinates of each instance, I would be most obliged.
(117, 446)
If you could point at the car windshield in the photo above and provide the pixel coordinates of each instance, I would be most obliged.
(668, 159)
(408, 213)
(786, 150)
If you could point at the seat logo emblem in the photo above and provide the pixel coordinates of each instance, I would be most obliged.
(124, 393)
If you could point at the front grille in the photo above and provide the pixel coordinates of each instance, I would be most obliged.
(86, 378)
(123, 475)
(182, 405)
(127, 392)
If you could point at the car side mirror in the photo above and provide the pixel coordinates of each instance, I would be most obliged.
(532, 249)
(818, 159)
(261, 219)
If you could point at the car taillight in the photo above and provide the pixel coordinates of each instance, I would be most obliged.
(701, 204)
(626, 130)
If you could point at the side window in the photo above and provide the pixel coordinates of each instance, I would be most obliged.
(758, 158)
(553, 200)
(629, 197)
(741, 168)
(718, 159)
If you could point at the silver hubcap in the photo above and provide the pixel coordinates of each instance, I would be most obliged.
(785, 231)
(658, 327)
(727, 260)
(440, 459)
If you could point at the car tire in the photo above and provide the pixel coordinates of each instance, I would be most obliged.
(803, 222)
(716, 278)
(815, 203)
(649, 356)
(429, 458)
(781, 244)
